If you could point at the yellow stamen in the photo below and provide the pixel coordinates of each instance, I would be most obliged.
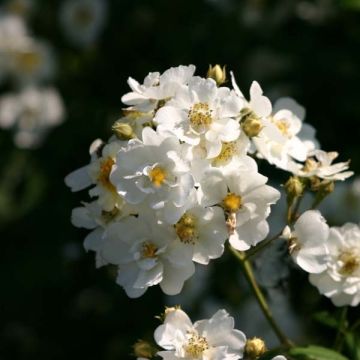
(195, 346)
(157, 176)
(186, 229)
(232, 203)
(350, 262)
(104, 173)
(148, 250)
(200, 116)
(28, 61)
(228, 150)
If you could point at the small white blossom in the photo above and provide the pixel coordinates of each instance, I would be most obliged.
(211, 339)
(320, 164)
(103, 160)
(30, 114)
(245, 198)
(153, 170)
(202, 115)
(83, 20)
(340, 281)
(147, 253)
(307, 243)
(157, 89)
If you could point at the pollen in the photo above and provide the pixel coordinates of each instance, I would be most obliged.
(104, 173)
(28, 61)
(195, 346)
(232, 202)
(200, 116)
(157, 176)
(283, 126)
(228, 150)
(186, 229)
(350, 262)
(148, 250)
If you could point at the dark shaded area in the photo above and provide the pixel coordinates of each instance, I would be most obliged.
(54, 304)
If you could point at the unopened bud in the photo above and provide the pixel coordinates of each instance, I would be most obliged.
(123, 131)
(217, 73)
(254, 348)
(294, 187)
(142, 349)
(251, 126)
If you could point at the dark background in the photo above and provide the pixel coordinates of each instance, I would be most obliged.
(54, 304)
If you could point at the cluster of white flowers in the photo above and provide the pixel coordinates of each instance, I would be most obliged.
(331, 255)
(175, 181)
(210, 339)
(26, 63)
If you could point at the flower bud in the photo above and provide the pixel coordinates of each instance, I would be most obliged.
(217, 73)
(142, 349)
(251, 126)
(254, 348)
(294, 187)
(123, 131)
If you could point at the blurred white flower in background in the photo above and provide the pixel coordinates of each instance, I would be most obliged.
(30, 114)
(83, 20)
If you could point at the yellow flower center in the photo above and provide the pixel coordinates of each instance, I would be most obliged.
(195, 346)
(232, 202)
(186, 229)
(200, 116)
(108, 216)
(104, 173)
(148, 250)
(293, 245)
(157, 176)
(350, 262)
(283, 126)
(228, 150)
(28, 61)
(17, 7)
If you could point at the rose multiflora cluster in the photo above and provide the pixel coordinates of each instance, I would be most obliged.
(178, 177)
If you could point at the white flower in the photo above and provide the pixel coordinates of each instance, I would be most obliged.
(212, 339)
(157, 89)
(92, 217)
(320, 164)
(31, 113)
(285, 137)
(202, 115)
(341, 279)
(245, 199)
(147, 253)
(154, 171)
(308, 242)
(103, 161)
(83, 20)
(279, 357)
(34, 62)
(205, 230)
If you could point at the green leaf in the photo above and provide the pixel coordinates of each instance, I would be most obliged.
(353, 345)
(313, 352)
(325, 318)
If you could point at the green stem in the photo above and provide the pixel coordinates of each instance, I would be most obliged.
(249, 275)
(261, 246)
(355, 325)
(341, 330)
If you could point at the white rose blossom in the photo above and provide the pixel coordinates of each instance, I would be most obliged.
(157, 88)
(245, 196)
(103, 160)
(147, 253)
(340, 281)
(31, 113)
(201, 115)
(153, 171)
(307, 243)
(212, 339)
